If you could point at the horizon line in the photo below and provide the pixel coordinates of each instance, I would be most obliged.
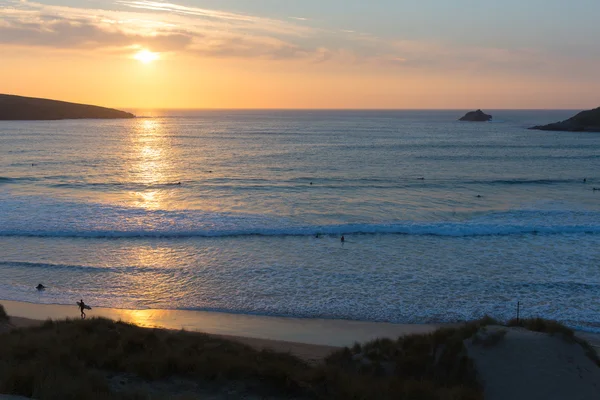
(344, 109)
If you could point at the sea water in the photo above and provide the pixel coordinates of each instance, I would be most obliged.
(242, 212)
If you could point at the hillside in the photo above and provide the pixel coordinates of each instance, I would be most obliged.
(585, 121)
(30, 108)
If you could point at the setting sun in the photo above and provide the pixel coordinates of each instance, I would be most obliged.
(146, 56)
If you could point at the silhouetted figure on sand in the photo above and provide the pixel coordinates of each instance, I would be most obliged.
(82, 307)
(40, 287)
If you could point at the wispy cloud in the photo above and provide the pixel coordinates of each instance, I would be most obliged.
(211, 17)
(169, 27)
(160, 26)
(59, 32)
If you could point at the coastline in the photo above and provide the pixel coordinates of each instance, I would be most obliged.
(321, 332)
(311, 339)
(511, 362)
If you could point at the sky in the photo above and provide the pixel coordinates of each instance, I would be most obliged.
(399, 54)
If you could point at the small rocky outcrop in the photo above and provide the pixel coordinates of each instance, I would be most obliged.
(31, 108)
(585, 121)
(476, 116)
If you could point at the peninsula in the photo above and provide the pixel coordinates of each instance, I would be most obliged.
(585, 121)
(476, 116)
(29, 109)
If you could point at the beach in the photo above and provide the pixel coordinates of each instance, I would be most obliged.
(319, 332)
(315, 337)
(511, 362)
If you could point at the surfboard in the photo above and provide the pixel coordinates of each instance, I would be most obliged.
(86, 307)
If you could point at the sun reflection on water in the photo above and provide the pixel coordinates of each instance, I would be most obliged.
(152, 164)
(155, 283)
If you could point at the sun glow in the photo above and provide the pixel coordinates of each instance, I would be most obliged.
(146, 56)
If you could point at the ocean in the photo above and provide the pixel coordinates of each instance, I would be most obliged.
(242, 212)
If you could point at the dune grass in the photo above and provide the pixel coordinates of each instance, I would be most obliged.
(69, 359)
(76, 359)
(3, 316)
(426, 366)
(543, 325)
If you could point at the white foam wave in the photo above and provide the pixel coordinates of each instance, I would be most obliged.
(52, 218)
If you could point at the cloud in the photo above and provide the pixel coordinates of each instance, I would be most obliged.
(243, 47)
(169, 27)
(157, 25)
(59, 32)
(207, 17)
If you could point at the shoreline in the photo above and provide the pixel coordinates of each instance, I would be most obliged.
(255, 330)
(321, 332)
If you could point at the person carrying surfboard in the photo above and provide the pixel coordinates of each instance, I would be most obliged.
(82, 307)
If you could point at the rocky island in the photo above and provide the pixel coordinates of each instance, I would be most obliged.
(476, 116)
(585, 121)
(30, 109)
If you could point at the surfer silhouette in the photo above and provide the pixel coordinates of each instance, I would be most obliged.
(342, 239)
(82, 307)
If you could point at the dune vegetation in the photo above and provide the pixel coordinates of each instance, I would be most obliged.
(3, 316)
(102, 359)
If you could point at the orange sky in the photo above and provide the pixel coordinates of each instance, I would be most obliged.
(246, 61)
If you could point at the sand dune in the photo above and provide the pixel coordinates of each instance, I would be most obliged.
(520, 365)
(532, 365)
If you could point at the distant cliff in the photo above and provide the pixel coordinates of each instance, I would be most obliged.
(476, 116)
(585, 121)
(30, 108)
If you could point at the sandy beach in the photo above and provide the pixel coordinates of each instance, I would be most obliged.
(321, 332)
(260, 329)
(308, 339)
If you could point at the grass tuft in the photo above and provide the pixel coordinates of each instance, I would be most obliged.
(544, 325)
(3, 315)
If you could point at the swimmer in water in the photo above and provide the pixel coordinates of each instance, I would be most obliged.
(342, 239)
